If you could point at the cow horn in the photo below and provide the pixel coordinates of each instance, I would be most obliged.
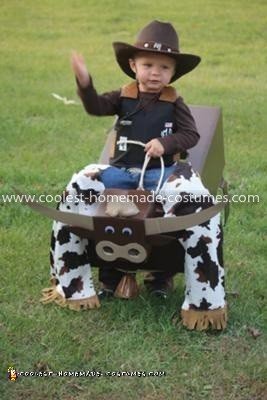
(154, 226)
(79, 220)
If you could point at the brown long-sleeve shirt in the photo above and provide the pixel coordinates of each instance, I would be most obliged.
(185, 137)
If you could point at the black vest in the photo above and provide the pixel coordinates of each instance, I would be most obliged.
(136, 122)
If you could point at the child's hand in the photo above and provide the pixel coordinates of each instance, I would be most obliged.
(154, 148)
(80, 70)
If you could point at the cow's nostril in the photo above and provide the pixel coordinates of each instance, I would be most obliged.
(134, 252)
(108, 250)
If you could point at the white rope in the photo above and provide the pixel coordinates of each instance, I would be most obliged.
(141, 181)
(64, 99)
(131, 142)
(144, 167)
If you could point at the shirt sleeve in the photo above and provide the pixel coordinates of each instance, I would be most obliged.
(186, 135)
(98, 104)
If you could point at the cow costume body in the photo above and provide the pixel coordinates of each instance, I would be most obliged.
(199, 249)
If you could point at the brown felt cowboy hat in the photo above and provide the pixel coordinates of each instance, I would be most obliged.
(156, 37)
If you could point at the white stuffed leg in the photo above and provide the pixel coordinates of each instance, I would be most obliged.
(71, 273)
(204, 304)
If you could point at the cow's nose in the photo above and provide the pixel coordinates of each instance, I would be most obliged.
(108, 250)
(133, 252)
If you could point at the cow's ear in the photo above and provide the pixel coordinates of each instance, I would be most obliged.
(81, 232)
(159, 240)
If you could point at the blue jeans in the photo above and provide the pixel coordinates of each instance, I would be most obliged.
(122, 178)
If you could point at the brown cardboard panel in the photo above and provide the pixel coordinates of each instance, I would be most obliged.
(207, 157)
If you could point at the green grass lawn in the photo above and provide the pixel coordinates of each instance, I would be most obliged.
(42, 142)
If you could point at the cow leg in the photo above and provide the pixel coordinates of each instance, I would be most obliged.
(204, 304)
(71, 276)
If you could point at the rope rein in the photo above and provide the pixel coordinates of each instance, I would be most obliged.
(144, 167)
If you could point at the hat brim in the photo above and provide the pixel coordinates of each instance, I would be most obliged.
(184, 62)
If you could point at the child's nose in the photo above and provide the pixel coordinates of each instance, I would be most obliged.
(155, 70)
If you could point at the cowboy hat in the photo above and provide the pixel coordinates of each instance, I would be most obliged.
(156, 37)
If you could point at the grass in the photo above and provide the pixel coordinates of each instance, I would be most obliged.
(42, 142)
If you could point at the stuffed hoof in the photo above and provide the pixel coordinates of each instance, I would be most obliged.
(50, 295)
(84, 304)
(201, 320)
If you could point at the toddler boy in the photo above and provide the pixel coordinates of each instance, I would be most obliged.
(149, 111)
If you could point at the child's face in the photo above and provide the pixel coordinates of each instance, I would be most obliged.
(153, 71)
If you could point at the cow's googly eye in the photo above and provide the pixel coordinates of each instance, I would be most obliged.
(109, 229)
(127, 231)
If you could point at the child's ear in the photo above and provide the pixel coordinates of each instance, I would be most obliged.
(132, 65)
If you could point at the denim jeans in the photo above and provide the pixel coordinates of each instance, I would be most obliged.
(123, 178)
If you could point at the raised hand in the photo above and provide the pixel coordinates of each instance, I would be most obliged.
(79, 68)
